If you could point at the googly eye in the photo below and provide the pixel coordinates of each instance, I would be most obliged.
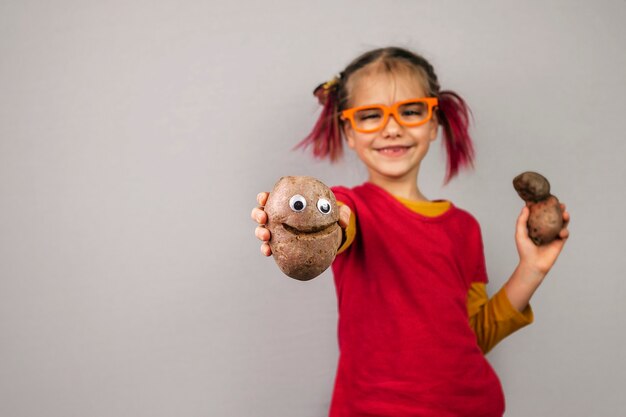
(323, 206)
(297, 203)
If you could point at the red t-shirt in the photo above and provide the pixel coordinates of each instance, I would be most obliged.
(406, 346)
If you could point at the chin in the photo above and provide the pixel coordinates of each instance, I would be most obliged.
(396, 174)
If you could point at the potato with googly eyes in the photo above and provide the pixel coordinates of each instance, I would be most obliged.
(303, 223)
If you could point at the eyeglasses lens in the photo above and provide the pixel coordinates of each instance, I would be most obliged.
(412, 113)
(369, 119)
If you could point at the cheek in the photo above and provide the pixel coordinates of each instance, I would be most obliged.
(359, 141)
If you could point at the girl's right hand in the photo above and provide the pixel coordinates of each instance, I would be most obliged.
(258, 215)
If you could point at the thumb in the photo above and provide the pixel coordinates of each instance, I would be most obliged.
(344, 216)
(521, 228)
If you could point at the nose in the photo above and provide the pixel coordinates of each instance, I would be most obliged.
(392, 128)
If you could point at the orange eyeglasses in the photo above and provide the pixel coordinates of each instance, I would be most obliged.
(373, 117)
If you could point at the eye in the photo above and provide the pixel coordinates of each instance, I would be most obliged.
(297, 203)
(323, 206)
(410, 110)
(369, 114)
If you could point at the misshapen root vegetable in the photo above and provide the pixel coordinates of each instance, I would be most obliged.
(302, 220)
(546, 217)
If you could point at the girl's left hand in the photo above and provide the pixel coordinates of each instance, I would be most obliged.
(539, 259)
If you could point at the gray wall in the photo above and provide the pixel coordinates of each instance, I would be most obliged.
(134, 137)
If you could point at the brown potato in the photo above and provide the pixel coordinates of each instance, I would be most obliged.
(532, 186)
(546, 217)
(303, 223)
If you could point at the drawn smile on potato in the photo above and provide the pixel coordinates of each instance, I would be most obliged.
(312, 231)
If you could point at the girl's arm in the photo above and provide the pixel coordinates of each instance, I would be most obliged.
(535, 261)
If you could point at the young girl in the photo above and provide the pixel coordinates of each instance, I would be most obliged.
(414, 317)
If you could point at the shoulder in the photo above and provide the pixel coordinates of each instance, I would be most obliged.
(464, 214)
(466, 219)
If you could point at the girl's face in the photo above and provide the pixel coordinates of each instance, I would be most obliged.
(394, 152)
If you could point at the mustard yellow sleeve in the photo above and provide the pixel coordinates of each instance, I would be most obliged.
(494, 319)
(349, 232)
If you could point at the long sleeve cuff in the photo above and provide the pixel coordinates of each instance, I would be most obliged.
(505, 311)
(495, 319)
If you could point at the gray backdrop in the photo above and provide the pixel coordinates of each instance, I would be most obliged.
(134, 137)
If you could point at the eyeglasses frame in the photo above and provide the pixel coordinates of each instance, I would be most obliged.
(348, 114)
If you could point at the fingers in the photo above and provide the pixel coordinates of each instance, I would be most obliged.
(564, 233)
(261, 198)
(262, 233)
(259, 216)
(265, 249)
(566, 215)
(344, 216)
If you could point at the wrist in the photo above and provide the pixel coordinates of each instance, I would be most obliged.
(522, 285)
(530, 273)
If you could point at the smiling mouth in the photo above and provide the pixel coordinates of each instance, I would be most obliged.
(394, 148)
(312, 231)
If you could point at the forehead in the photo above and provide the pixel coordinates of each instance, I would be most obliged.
(376, 85)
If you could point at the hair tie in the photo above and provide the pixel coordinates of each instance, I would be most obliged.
(323, 90)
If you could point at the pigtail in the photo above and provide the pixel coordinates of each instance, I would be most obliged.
(454, 117)
(326, 135)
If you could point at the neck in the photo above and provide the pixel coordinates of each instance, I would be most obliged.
(404, 187)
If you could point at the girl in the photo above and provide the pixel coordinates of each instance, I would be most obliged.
(414, 317)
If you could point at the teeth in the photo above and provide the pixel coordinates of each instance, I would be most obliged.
(393, 148)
